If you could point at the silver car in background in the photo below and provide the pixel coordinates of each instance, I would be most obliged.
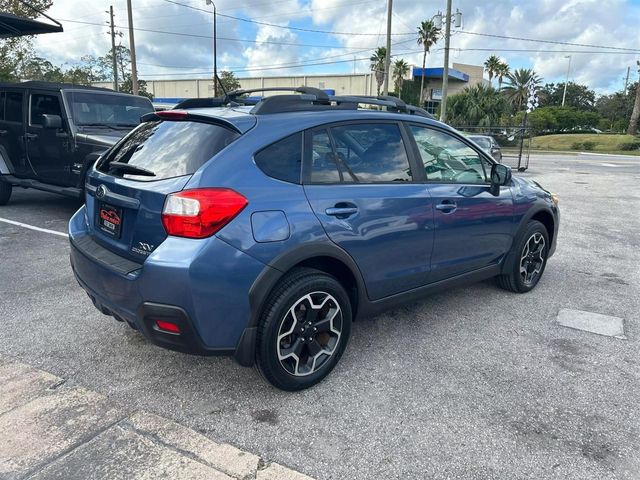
(488, 144)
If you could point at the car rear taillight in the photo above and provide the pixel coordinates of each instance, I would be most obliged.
(201, 212)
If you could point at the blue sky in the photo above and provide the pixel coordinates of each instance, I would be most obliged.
(251, 49)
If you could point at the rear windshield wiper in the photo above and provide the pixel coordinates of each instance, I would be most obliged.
(131, 169)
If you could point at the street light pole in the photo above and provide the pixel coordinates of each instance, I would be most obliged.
(215, 50)
(387, 58)
(564, 93)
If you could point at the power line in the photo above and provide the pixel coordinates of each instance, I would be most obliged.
(302, 63)
(537, 50)
(309, 30)
(556, 42)
(284, 66)
(193, 35)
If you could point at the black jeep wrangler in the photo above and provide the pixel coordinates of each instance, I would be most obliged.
(50, 133)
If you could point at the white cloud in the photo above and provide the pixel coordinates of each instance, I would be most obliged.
(594, 22)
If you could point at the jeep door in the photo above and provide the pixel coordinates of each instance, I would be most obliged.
(48, 149)
(473, 228)
(359, 180)
(12, 154)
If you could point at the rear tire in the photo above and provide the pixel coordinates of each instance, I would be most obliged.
(530, 253)
(304, 329)
(5, 192)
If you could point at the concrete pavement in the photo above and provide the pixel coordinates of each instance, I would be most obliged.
(50, 430)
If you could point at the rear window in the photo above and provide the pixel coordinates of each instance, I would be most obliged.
(283, 159)
(167, 149)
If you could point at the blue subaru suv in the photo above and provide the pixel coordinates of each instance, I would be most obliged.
(262, 230)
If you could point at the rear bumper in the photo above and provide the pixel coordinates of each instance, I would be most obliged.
(200, 285)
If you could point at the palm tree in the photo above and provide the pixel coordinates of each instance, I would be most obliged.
(492, 65)
(400, 70)
(503, 71)
(428, 35)
(377, 65)
(477, 106)
(517, 90)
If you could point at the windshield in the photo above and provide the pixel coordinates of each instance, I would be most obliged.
(90, 108)
(484, 142)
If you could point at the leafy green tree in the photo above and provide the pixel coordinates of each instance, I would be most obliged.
(228, 82)
(428, 36)
(16, 52)
(400, 70)
(556, 118)
(517, 90)
(127, 86)
(123, 62)
(377, 65)
(477, 106)
(492, 65)
(615, 109)
(578, 96)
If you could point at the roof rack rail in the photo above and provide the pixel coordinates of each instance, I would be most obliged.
(309, 99)
(388, 101)
(309, 95)
(316, 92)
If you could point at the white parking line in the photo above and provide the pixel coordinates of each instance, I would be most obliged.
(32, 227)
(611, 165)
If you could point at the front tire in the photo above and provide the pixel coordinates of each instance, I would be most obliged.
(304, 329)
(530, 259)
(5, 192)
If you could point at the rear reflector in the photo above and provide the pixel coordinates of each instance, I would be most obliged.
(167, 326)
(172, 114)
(201, 212)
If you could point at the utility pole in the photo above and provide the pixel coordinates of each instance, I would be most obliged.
(564, 93)
(113, 50)
(132, 47)
(445, 75)
(215, 50)
(387, 58)
(626, 80)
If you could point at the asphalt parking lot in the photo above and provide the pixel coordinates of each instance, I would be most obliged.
(471, 383)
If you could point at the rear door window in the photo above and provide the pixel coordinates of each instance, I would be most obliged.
(12, 107)
(360, 153)
(168, 149)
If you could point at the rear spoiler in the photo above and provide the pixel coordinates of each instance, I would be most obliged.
(182, 115)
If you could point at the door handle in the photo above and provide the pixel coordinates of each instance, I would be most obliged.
(341, 212)
(3, 133)
(30, 136)
(447, 206)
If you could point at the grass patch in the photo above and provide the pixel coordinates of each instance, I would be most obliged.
(602, 143)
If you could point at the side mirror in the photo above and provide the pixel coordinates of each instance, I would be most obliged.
(53, 122)
(500, 175)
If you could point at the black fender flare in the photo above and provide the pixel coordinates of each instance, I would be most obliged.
(87, 162)
(507, 264)
(271, 275)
